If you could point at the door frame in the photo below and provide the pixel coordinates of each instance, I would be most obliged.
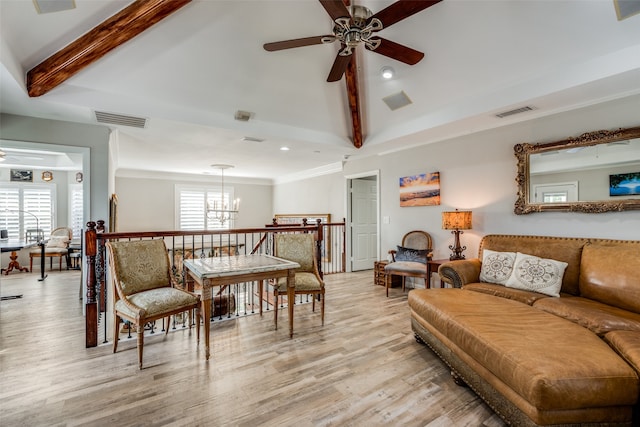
(349, 229)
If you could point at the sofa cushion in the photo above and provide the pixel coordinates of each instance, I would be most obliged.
(525, 297)
(599, 318)
(566, 249)
(496, 266)
(609, 273)
(627, 345)
(537, 274)
(514, 342)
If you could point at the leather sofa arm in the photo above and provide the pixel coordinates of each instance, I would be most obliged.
(459, 273)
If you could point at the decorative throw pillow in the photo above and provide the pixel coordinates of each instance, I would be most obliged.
(57, 242)
(413, 255)
(496, 266)
(537, 274)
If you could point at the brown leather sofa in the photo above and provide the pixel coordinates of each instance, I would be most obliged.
(539, 359)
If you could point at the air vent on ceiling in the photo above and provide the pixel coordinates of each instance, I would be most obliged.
(516, 111)
(626, 8)
(252, 139)
(397, 100)
(243, 116)
(50, 6)
(120, 119)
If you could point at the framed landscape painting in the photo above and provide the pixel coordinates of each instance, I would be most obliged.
(624, 184)
(420, 190)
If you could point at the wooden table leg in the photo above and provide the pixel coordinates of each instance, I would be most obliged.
(13, 264)
(291, 297)
(205, 301)
(260, 290)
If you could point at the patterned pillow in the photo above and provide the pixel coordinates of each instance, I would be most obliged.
(496, 266)
(537, 274)
(412, 255)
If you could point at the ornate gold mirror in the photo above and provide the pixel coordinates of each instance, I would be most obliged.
(594, 172)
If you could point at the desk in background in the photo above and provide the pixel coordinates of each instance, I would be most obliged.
(14, 245)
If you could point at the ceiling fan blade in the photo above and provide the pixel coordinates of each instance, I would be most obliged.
(353, 97)
(338, 68)
(306, 41)
(336, 9)
(400, 10)
(398, 52)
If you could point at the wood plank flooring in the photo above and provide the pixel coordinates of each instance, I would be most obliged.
(363, 368)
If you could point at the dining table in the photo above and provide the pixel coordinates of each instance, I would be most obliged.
(219, 271)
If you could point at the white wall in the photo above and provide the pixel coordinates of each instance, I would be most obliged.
(317, 195)
(148, 204)
(478, 171)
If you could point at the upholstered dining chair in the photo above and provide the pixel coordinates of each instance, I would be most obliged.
(56, 246)
(144, 289)
(300, 248)
(410, 259)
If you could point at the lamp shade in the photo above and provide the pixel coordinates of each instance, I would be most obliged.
(456, 220)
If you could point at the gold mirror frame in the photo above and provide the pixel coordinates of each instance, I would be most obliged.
(525, 150)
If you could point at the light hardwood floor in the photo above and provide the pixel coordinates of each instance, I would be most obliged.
(363, 368)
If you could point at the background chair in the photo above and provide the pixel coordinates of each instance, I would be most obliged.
(300, 248)
(57, 246)
(144, 289)
(410, 259)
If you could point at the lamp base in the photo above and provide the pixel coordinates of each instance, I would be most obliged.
(456, 248)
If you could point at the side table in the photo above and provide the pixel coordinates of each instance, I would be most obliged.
(432, 267)
(379, 276)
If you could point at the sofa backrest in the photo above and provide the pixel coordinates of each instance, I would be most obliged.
(567, 249)
(610, 273)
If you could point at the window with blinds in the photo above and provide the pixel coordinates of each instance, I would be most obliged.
(27, 208)
(76, 210)
(191, 208)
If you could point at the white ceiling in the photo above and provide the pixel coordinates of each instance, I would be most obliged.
(189, 74)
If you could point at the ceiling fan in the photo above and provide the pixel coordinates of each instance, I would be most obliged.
(359, 27)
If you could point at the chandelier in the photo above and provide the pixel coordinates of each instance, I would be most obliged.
(221, 210)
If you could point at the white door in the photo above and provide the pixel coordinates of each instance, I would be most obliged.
(364, 223)
(556, 193)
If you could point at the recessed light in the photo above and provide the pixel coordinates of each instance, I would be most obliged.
(284, 148)
(387, 73)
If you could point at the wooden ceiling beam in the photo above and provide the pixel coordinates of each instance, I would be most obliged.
(353, 97)
(120, 28)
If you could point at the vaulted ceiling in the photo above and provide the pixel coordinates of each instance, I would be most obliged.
(190, 73)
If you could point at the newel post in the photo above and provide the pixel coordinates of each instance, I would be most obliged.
(91, 306)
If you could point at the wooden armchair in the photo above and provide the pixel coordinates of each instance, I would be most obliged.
(300, 248)
(57, 246)
(144, 289)
(410, 259)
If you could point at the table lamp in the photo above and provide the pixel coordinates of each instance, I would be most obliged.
(456, 221)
